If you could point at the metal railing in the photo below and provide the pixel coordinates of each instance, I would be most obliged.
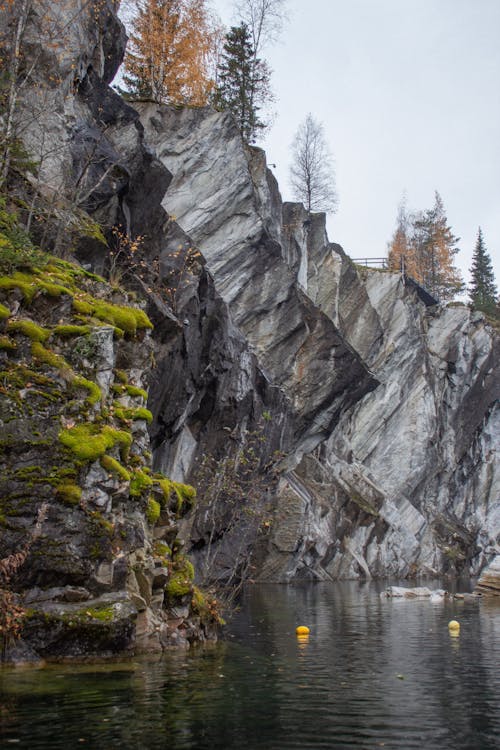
(428, 297)
(372, 262)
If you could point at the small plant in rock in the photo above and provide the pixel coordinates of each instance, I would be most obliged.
(124, 256)
(178, 268)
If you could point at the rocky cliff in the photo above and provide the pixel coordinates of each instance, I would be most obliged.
(334, 424)
(403, 481)
(89, 533)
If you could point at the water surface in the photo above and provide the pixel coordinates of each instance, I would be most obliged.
(373, 673)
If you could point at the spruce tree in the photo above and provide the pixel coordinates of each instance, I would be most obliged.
(243, 82)
(482, 290)
(436, 247)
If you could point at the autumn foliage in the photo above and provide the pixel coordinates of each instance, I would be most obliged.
(424, 246)
(169, 54)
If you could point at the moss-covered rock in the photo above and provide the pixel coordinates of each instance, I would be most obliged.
(75, 463)
(89, 441)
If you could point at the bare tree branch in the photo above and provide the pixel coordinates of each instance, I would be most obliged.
(312, 174)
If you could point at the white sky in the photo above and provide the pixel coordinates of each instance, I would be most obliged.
(408, 92)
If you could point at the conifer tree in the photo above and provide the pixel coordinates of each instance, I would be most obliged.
(436, 246)
(243, 82)
(265, 20)
(482, 290)
(168, 55)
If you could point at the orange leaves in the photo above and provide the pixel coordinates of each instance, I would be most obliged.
(170, 46)
(124, 243)
(424, 246)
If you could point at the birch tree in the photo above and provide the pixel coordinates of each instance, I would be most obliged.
(312, 174)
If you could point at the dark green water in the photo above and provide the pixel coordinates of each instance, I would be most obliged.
(373, 673)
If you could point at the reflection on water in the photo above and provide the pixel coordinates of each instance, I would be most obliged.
(372, 673)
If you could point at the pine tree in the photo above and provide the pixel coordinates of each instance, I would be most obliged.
(482, 290)
(243, 82)
(168, 55)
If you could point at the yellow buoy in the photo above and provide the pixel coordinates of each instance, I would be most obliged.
(454, 627)
(302, 630)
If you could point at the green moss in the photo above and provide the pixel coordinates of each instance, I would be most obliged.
(101, 524)
(4, 312)
(88, 442)
(119, 412)
(7, 344)
(185, 494)
(29, 329)
(53, 290)
(69, 493)
(115, 467)
(95, 392)
(128, 319)
(160, 549)
(26, 285)
(127, 414)
(181, 581)
(103, 614)
(153, 511)
(130, 390)
(133, 391)
(20, 375)
(122, 376)
(66, 331)
(27, 472)
(49, 358)
(139, 483)
(82, 306)
(142, 413)
(166, 485)
(69, 272)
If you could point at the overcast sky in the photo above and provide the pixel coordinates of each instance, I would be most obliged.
(408, 92)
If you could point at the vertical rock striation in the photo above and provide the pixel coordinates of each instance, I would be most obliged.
(368, 421)
(399, 480)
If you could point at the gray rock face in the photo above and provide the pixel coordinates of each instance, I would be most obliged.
(335, 426)
(224, 198)
(405, 480)
(424, 439)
